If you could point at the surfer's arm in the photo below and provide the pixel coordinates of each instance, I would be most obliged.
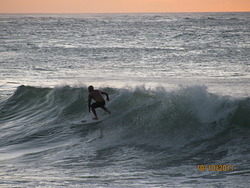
(89, 103)
(104, 93)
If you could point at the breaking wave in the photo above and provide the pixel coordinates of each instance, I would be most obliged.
(188, 117)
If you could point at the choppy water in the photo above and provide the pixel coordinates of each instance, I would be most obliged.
(179, 89)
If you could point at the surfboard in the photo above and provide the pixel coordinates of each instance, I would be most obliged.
(89, 120)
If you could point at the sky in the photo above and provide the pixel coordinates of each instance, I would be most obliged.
(122, 6)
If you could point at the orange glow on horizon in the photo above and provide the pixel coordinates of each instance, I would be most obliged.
(122, 6)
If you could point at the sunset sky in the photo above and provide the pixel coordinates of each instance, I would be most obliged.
(122, 6)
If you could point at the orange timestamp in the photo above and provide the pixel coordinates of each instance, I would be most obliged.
(220, 168)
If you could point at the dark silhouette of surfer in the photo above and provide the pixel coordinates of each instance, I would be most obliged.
(99, 101)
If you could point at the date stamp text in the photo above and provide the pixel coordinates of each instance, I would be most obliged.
(219, 168)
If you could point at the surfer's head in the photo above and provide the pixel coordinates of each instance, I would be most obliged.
(91, 88)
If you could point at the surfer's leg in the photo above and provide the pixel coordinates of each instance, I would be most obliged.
(102, 106)
(94, 112)
(105, 109)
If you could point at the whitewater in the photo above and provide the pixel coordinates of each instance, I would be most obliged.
(179, 95)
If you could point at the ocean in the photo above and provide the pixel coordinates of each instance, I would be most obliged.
(179, 95)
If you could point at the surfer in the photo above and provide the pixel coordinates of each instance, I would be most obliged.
(99, 101)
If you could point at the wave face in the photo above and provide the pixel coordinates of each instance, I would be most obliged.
(153, 116)
(188, 125)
